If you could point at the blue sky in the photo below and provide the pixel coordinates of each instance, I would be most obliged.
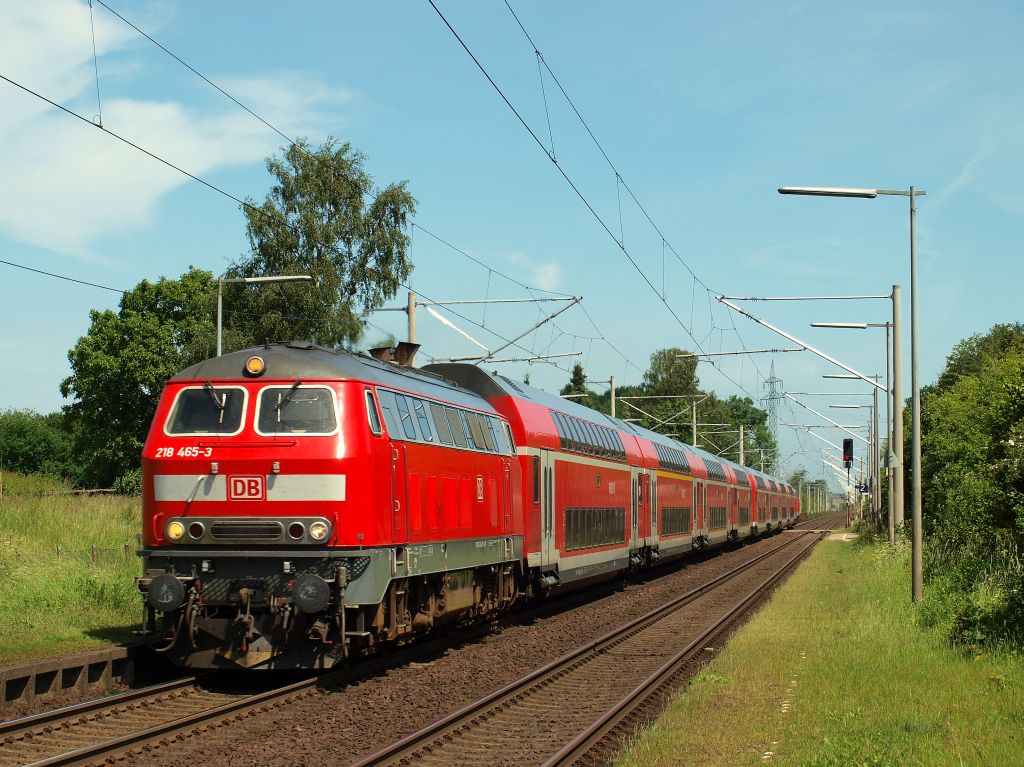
(705, 109)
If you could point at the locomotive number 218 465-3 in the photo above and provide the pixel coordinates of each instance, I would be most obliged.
(184, 452)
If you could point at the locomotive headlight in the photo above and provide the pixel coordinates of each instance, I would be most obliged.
(318, 531)
(175, 530)
(255, 365)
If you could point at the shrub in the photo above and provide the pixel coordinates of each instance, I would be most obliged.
(129, 483)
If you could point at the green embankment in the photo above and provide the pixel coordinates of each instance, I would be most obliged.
(57, 593)
(836, 672)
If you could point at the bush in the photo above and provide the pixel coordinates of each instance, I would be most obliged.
(129, 483)
(31, 443)
(973, 482)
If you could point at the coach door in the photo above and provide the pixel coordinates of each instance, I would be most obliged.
(653, 503)
(635, 508)
(698, 507)
(548, 551)
(506, 496)
(399, 500)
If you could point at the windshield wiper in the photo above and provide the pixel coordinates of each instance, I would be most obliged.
(284, 400)
(218, 401)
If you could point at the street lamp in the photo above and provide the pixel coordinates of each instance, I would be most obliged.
(221, 281)
(917, 576)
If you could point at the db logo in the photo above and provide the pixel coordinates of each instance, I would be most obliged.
(247, 489)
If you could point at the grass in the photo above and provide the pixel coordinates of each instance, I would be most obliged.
(836, 672)
(54, 597)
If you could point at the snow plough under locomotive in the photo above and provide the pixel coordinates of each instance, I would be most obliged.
(302, 505)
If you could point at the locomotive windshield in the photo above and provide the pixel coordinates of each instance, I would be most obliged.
(296, 410)
(207, 409)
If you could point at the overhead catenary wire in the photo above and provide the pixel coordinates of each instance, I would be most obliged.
(292, 142)
(597, 216)
(621, 182)
(215, 188)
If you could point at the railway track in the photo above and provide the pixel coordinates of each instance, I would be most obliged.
(105, 729)
(102, 729)
(563, 711)
(829, 521)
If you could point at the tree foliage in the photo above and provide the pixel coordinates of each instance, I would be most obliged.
(119, 368)
(32, 443)
(972, 473)
(316, 220)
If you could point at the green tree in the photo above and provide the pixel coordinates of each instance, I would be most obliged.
(316, 220)
(970, 355)
(32, 443)
(578, 386)
(972, 476)
(119, 368)
(671, 371)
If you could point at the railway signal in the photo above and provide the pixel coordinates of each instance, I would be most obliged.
(848, 453)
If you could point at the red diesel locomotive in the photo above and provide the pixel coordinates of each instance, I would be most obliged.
(302, 504)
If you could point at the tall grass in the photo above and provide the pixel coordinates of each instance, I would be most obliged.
(838, 671)
(67, 565)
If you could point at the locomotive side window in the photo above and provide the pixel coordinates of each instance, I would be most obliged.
(464, 417)
(485, 429)
(371, 412)
(444, 433)
(511, 440)
(390, 411)
(494, 432)
(458, 430)
(421, 416)
(207, 409)
(296, 409)
(476, 428)
(403, 410)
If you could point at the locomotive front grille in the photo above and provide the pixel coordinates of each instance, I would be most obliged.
(246, 531)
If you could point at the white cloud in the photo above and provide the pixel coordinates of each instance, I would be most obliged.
(546, 275)
(66, 185)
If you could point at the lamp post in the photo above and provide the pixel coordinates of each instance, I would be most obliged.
(221, 281)
(917, 570)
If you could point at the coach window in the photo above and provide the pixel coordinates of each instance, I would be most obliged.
(458, 430)
(371, 412)
(577, 434)
(403, 410)
(424, 422)
(441, 424)
(570, 434)
(536, 479)
(559, 427)
(588, 441)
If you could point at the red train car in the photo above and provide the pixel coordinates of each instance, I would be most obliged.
(304, 504)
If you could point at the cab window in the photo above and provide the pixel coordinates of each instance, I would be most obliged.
(207, 409)
(296, 410)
